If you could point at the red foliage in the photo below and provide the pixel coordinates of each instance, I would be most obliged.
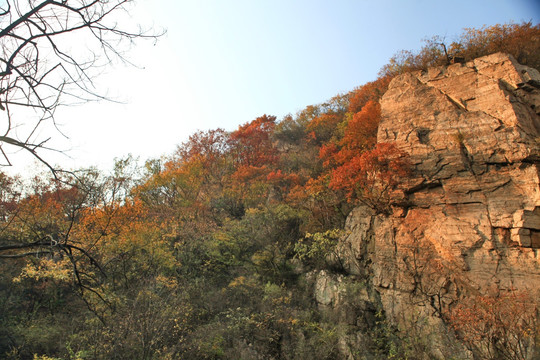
(252, 144)
(372, 176)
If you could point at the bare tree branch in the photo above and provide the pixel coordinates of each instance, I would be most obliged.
(78, 39)
(58, 230)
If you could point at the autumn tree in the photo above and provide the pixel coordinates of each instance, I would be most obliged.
(323, 128)
(59, 224)
(498, 326)
(342, 137)
(209, 145)
(290, 131)
(361, 132)
(254, 156)
(251, 143)
(371, 91)
(519, 40)
(9, 195)
(80, 255)
(50, 52)
(373, 176)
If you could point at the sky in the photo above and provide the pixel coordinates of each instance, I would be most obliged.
(224, 63)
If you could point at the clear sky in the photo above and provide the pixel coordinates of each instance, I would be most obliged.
(222, 63)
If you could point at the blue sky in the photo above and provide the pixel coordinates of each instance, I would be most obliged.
(223, 63)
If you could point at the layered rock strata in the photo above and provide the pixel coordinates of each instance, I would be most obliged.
(468, 221)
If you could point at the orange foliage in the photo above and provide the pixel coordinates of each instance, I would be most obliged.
(372, 91)
(282, 179)
(248, 184)
(328, 154)
(9, 194)
(181, 189)
(254, 156)
(360, 135)
(246, 174)
(502, 326)
(326, 208)
(50, 211)
(340, 145)
(361, 132)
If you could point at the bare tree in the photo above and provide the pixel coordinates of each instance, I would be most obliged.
(50, 52)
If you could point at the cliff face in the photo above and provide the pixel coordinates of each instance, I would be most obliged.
(468, 222)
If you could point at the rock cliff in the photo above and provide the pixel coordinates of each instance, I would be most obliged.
(468, 222)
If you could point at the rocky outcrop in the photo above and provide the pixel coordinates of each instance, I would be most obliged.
(470, 222)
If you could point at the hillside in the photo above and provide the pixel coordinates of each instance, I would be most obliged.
(400, 220)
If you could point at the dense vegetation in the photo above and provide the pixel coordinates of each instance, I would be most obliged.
(204, 254)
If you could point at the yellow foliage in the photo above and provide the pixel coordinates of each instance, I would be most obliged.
(167, 281)
(43, 357)
(46, 269)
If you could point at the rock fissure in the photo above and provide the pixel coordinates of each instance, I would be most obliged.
(424, 185)
(499, 186)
